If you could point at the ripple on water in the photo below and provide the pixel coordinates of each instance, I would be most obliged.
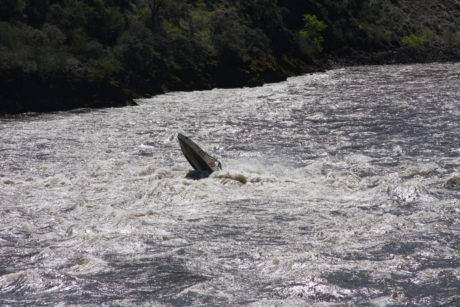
(338, 188)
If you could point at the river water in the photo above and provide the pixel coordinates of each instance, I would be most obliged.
(337, 187)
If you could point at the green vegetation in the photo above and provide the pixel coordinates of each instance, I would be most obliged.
(63, 54)
(311, 36)
(417, 40)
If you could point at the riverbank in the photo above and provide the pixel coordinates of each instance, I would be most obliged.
(52, 103)
(93, 54)
(399, 56)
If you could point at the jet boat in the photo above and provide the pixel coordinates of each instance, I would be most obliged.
(202, 162)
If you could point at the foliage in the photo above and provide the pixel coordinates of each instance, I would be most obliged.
(417, 39)
(311, 36)
(61, 54)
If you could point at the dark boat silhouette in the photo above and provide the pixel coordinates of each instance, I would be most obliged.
(203, 163)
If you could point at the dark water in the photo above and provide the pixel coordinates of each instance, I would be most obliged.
(338, 187)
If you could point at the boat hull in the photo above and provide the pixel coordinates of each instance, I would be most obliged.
(197, 157)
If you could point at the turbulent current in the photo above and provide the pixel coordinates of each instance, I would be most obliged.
(337, 187)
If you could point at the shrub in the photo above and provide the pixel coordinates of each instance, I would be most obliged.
(311, 36)
(417, 40)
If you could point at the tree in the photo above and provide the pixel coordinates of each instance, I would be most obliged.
(311, 36)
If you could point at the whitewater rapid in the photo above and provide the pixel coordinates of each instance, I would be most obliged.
(337, 187)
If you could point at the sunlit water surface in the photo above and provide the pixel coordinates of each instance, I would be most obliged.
(338, 187)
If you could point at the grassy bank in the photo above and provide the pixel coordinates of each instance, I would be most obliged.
(57, 55)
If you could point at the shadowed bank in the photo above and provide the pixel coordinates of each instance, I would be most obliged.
(60, 55)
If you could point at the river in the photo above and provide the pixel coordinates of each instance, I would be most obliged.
(337, 187)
